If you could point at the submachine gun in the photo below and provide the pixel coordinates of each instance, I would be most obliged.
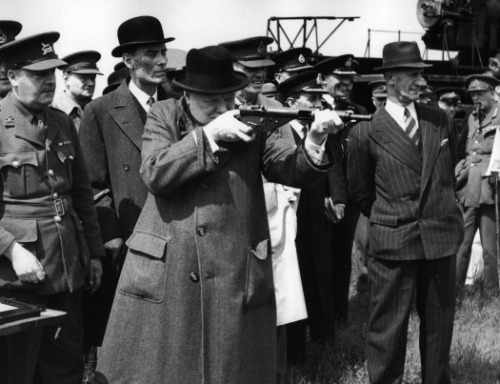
(269, 119)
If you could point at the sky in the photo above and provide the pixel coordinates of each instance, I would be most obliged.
(92, 24)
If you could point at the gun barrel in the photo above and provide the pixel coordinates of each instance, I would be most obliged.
(299, 114)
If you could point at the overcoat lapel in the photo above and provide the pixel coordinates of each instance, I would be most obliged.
(126, 115)
(431, 142)
(390, 136)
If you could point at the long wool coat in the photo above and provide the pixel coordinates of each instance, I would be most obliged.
(195, 302)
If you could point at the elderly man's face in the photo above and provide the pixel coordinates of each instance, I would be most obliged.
(485, 98)
(339, 85)
(5, 86)
(206, 107)
(148, 64)
(257, 78)
(405, 84)
(81, 86)
(35, 89)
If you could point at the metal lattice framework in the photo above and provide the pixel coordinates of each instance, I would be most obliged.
(308, 31)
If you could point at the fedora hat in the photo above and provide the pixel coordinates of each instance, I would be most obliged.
(210, 70)
(402, 54)
(138, 31)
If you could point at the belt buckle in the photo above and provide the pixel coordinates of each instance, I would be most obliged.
(59, 206)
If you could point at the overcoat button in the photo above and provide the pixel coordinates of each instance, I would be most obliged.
(55, 195)
(71, 157)
(50, 172)
(15, 163)
(194, 277)
(57, 219)
(201, 231)
(126, 167)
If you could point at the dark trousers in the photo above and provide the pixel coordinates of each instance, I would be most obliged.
(60, 355)
(392, 286)
(342, 238)
(484, 219)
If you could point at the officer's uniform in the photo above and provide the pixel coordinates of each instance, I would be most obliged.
(46, 205)
(79, 63)
(474, 189)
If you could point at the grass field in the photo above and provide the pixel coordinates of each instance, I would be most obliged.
(475, 355)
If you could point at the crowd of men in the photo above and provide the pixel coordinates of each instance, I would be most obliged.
(194, 244)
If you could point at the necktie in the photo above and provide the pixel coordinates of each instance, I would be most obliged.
(411, 127)
(150, 101)
(41, 127)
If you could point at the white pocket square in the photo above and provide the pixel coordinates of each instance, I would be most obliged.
(443, 142)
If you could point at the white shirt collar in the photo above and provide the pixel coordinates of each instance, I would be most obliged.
(397, 112)
(299, 128)
(141, 96)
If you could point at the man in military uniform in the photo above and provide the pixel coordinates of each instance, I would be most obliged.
(379, 93)
(79, 81)
(291, 62)
(475, 190)
(8, 31)
(49, 235)
(449, 99)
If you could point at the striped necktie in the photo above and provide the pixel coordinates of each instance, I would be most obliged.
(411, 127)
(150, 101)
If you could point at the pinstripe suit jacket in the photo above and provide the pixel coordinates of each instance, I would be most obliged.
(408, 196)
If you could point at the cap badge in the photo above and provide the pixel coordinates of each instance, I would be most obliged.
(475, 83)
(261, 49)
(9, 121)
(348, 63)
(47, 48)
(319, 79)
(3, 37)
(302, 59)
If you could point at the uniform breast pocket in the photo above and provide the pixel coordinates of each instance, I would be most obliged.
(66, 154)
(19, 173)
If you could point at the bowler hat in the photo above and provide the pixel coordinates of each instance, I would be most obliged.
(481, 83)
(9, 29)
(34, 53)
(402, 54)
(210, 70)
(301, 82)
(83, 63)
(251, 52)
(141, 30)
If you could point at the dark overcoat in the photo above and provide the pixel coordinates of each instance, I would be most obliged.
(195, 301)
(110, 135)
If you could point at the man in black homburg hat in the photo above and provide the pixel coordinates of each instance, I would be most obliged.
(400, 171)
(475, 189)
(50, 239)
(79, 77)
(9, 29)
(196, 295)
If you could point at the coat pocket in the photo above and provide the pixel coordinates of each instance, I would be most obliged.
(20, 173)
(259, 277)
(25, 231)
(382, 219)
(143, 274)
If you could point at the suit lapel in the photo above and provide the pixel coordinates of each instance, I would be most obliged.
(126, 114)
(431, 142)
(389, 135)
